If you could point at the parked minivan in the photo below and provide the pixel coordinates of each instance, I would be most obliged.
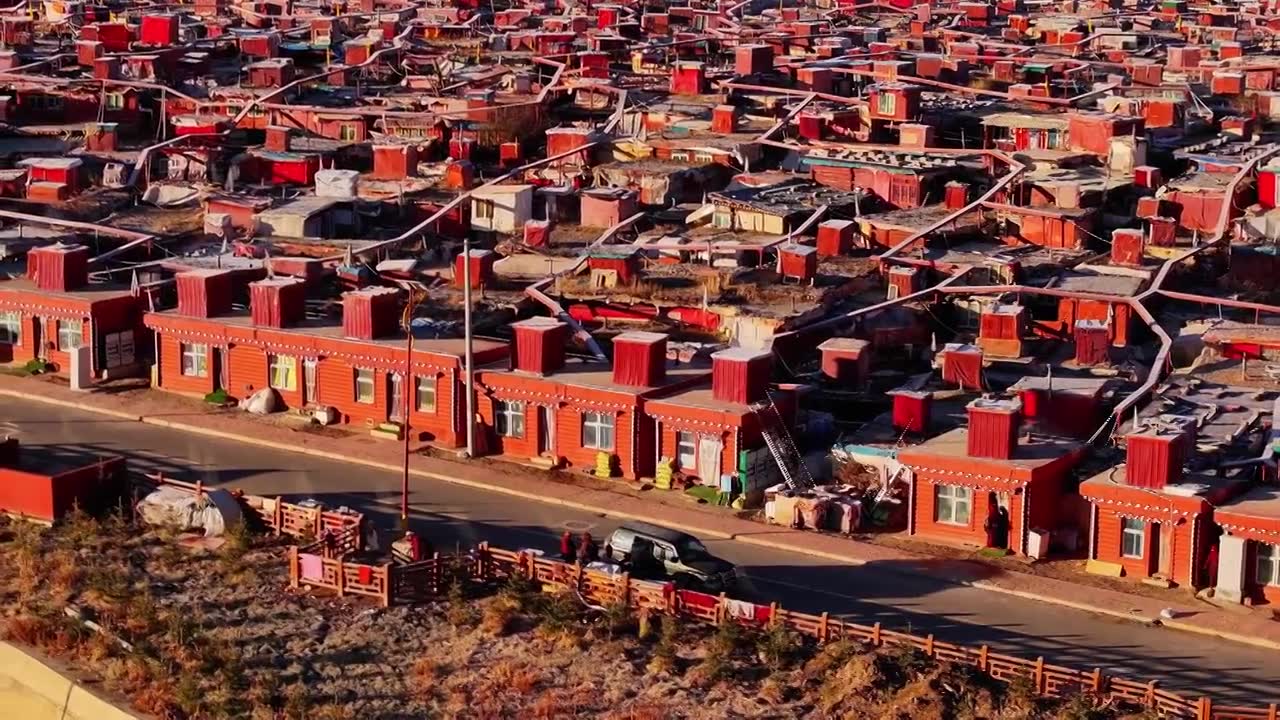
(652, 552)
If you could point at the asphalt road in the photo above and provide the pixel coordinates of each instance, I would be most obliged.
(448, 513)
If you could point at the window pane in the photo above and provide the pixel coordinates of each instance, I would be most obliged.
(426, 399)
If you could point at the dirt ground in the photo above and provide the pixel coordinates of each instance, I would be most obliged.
(191, 629)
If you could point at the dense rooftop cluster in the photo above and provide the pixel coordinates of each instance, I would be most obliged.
(1018, 257)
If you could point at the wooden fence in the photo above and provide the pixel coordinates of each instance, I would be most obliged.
(430, 578)
(324, 564)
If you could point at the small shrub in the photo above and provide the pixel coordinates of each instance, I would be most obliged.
(777, 645)
(80, 529)
(461, 613)
(217, 397)
(424, 676)
(189, 696)
(644, 629)
(520, 590)
(618, 618)
(558, 613)
(156, 698)
(499, 616)
(830, 658)
(666, 652)
(297, 702)
(36, 366)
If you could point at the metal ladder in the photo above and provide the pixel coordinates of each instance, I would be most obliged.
(795, 474)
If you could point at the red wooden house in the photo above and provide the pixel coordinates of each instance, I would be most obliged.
(355, 368)
(963, 479)
(54, 310)
(1249, 549)
(545, 410)
(1149, 518)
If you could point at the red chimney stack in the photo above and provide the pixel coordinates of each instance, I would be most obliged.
(640, 359)
(740, 375)
(912, 410)
(370, 313)
(1155, 453)
(539, 345)
(277, 302)
(962, 366)
(204, 293)
(59, 267)
(993, 427)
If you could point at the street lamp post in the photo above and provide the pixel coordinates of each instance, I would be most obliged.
(406, 383)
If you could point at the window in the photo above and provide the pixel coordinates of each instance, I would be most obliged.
(686, 450)
(484, 209)
(886, 103)
(115, 101)
(364, 386)
(952, 504)
(70, 333)
(597, 430)
(11, 328)
(509, 417)
(195, 359)
(1133, 537)
(282, 372)
(425, 394)
(1268, 564)
(347, 131)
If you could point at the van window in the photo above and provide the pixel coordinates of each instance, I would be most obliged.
(691, 549)
(665, 553)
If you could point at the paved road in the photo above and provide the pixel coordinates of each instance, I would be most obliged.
(449, 513)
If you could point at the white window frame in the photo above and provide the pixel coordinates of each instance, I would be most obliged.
(886, 104)
(1131, 529)
(286, 364)
(365, 381)
(690, 440)
(114, 101)
(485, 208)
(68, 340)
(348, 132)
(508, 418)
(424, 393)
(1267, 565)
(599, 430)
(952, 504)
(194, 360)
(11, 327)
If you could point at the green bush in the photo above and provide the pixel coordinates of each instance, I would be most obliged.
(217, 397)
(36, 366)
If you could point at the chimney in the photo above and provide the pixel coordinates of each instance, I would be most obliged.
(481, 268)
(912, 410)
(724, 119)
(1092, 343)
(798, 262)
(962, 366)
(835, 237)
(640, 359)
(956, 195)
(752, 59)
(59, 267)
(1127, 247)
(539, 345)
(741, 376)
(846, 360)
(1155, 452)
(993, 427)
(903, 281)
(277, 302)
(395, 162)
(278, 138)
(371, 313)
(204, 293)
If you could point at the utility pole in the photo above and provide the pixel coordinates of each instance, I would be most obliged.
(467, 355)
(405, 383)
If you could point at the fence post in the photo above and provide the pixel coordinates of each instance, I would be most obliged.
(577, 577)
(435, 574)
(1273, 712)
(293, 566)
(1038, 677)
(342, 577)
(482, 559)
(876, 641)
(1150, 699)
(1204, 709)
(720, 610)
(626, 589)
(822, 628)
(983, 659)
(388, 571)
(278, 516)
(928, 645)
(775, 614)
(318, 523)
(1097, 680)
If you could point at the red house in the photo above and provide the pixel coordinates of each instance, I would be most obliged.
(54, 310)
(986, 485)
(583, 414)
(350, 372)
(46, 484)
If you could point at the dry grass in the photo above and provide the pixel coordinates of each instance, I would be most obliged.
(209, 647)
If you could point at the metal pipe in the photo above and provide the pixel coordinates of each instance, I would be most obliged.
(468, 358)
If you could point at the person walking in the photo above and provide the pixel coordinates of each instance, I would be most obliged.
(567, 549)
